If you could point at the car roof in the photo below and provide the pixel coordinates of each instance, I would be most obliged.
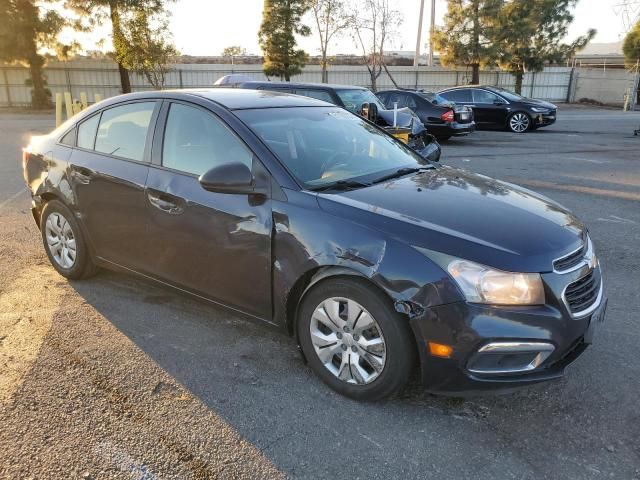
(230, 98)
(462, 87)
(326, 86)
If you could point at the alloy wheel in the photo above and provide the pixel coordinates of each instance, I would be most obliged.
(519, 122)
(61, 240)
(348, 340)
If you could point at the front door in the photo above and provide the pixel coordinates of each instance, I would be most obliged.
(489, 108)
(214, 244)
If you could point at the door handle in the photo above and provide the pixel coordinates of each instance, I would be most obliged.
(164, 202)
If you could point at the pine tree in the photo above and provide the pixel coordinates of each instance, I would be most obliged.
(631, 47)
(531, 33)
(281, 22)
(25, 28)
(467, 38)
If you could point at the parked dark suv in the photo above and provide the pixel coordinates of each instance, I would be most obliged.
(443, 118)
(354, 98)
(497, 107)
(298, 213)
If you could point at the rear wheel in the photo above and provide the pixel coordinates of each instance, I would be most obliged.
(519, 122)
(64, 243)
(354, 340)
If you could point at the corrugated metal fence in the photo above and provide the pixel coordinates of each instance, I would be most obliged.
(103, 78)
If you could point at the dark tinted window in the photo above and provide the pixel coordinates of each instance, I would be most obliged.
(318, 94)
(123, 130)
(69, 138)
(482, 96)
(87, 132)
(412, 103)
(196, 141)
(462, 96)
(394, 97)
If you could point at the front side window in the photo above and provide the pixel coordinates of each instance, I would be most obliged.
(353, 99)
(196, 141)
(482, 96)
(123, 130)
(323, 145)
(87, 132)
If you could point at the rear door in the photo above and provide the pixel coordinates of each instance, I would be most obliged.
(108, 171)
(215, 244)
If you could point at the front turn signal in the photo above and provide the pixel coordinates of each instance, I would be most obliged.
(440, 350)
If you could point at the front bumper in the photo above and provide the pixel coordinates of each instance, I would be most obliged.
(470, 327)
(544, 119)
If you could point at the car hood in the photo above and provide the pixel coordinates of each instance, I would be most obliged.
(539, 103)
(465, 215)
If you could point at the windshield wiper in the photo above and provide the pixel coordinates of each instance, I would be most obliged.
(340, 185)
(401, 172)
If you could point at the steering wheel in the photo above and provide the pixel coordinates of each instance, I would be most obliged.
(333, 161)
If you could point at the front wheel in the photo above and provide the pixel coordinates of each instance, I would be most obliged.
(354, 340)
(519, 122)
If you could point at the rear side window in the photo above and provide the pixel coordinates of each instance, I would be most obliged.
(462, 96)
(123, 130)
(69, 138)
(482, 96)
(395, 97)
(317, 94)
(87, 132)
(196, 141)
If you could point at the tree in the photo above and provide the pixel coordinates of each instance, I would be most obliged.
(234, 51)
(467, 38)
(374, 23)
(26, 28)
(631, 47)
(330, 19)
(281, 22)
(96, 12)
(148, 48)
(530, 36)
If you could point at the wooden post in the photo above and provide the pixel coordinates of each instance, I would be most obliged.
(68, 103)
(97, 97)
(58, 109)
(6, 86)
(83, 100)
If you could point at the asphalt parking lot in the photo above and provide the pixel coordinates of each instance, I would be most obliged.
(114, 377)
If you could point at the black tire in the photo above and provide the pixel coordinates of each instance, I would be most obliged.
(400, 348)
(517, 129)
(83, 265)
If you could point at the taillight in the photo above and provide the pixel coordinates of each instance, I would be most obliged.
(447, 116)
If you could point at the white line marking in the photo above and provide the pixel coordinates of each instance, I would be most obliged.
(371, 440)
(615, 219)
(12, 198)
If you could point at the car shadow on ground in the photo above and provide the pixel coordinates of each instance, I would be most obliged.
(252, 375)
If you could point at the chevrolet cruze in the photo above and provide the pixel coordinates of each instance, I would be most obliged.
(306, 216)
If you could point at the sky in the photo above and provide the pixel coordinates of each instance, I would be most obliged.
(205, 27)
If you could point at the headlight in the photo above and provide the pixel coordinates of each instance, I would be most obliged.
(539, 110)
(482, 284)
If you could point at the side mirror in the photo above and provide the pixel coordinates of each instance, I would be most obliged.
(369, 111)
(229, 178)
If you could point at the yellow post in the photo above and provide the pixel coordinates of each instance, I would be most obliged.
(69, 104)
(83, 100)
(77, 107)
(97, 97)
(58, 109)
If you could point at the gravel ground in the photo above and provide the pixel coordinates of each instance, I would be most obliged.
(115, 377)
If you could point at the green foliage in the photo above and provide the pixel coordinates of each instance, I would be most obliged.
(467, 37)
(281, 22)
(26, 28)
(146, 46)
(531, 33)
(631, 46)
(234, 51)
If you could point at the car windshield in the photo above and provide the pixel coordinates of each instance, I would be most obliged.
(353, 99)
(509, 95)
(326, 145)
(435, 98)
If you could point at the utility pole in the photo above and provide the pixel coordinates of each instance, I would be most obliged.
(416, 58)
(432, 29)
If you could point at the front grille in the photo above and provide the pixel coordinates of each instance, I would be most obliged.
(573, 259)
(583, 293)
